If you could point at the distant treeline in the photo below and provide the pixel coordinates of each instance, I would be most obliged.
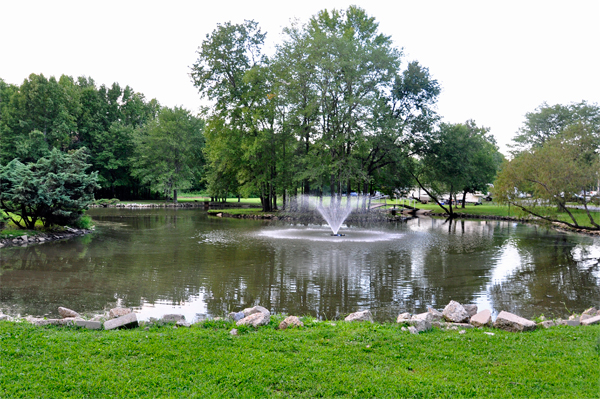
(112, 122)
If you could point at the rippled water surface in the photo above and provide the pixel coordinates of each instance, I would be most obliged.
(182, 261)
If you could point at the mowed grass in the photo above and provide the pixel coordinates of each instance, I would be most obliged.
(323, 359)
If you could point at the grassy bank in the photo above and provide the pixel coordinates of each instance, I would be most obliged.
(323, 359)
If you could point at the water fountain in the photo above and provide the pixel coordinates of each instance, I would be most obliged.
(335, 214)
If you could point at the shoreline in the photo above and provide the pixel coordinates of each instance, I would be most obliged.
(43, 237)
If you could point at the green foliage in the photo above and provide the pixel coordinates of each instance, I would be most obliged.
(330, 109)
(168, 151)
(67, 114)
(564, 169)
(324, 359)
(547, 122)
(457, 158)
(55, 190)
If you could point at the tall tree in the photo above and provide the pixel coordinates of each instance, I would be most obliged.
(168, 151)
(564, 169)
(455, 158)
(548, 121)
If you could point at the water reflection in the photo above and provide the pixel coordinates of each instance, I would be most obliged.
(164, 261)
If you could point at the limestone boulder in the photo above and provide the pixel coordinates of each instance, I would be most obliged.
(256, 309)
(482, 319)
(435, 314)
(471, 309)
(413, 330)
(590, 321)
(364, 315)
(118, 312)
(546, 324)
(403, 318)
(591, 312)
(255, 320)
(65, 312)
(454, 312)
(129, 320)
(236, 316)
(90, 325)
(513, 323)
(423, 316)
(234, 332)
(173, 318)
(420, 324)
(290, 321)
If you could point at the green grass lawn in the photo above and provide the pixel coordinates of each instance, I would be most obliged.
(323, 359)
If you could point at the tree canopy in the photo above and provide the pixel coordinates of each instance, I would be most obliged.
(56, 189)
(329, 110)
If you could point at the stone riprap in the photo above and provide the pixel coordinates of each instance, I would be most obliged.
(290, 321)
(118, 312)
(435, 314)
(364, 315)
(90, 325)
(236, 316)
(255, 320)
(170, 318)
(546, 324)
(403, 318)
(482, 319)
(511, 322)
(41, 238)
(127, 321)
(591, 320)
(454, 312)
(471, 309)
(256, 309)
(65, 312)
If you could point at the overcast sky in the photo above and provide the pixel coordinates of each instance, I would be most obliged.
(495, 60)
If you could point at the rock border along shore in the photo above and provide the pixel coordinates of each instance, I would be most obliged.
(43, 237)
(455, 317)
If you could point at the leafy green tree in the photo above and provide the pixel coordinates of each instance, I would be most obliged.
(241, 136)
(56, 189)
(548, 121)
(168, 151)
(456, 158)
(564, 169)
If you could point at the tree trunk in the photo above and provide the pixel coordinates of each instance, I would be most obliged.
(464, 200)
(175, 196)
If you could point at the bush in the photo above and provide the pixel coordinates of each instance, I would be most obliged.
(84, 222)
(55, 190)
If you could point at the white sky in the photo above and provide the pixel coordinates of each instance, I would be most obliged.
(495, 60)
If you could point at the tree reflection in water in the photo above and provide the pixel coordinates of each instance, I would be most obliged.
(187, 261)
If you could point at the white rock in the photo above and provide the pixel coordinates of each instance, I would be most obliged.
(590, 321)
(364, 315)
(435, 315)
(455, 312)
(233, 332)
(471, 309)
(403, 317)
(413, 330)
(129, 320)
(255, 309)
(118, 312)
(290, 321)
(483, 318)
(546, 324)
(255, 320)
(65, 312)
(511, 322)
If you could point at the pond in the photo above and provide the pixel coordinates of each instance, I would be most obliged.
(183, 261)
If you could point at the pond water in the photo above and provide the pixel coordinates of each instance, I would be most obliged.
(182, 261)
